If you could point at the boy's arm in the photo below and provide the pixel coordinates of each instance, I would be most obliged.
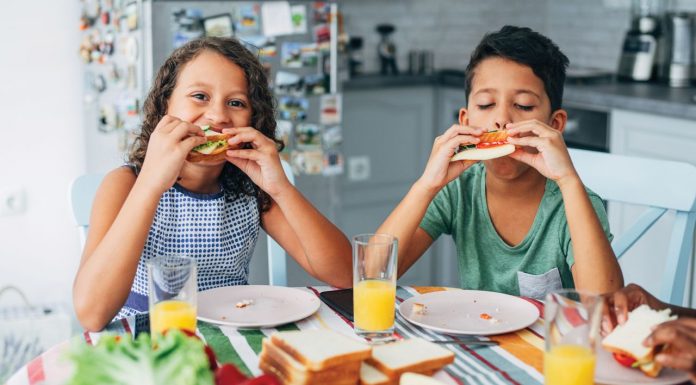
(596, 268)
(403, 222)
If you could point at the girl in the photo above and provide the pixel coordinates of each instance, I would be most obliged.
(211, 210)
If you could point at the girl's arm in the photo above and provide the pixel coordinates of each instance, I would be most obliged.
(122, 214)
(311, 239)
(596, 269)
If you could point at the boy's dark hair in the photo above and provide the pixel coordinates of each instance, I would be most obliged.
(524, 46)
(234, 182)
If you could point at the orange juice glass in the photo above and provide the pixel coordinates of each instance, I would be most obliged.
(572, 322)
(172, 293)
(374, 286)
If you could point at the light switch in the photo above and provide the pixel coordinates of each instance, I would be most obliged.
(359, 168)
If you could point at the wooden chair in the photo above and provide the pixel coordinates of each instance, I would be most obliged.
(84, 188)
(660, 185)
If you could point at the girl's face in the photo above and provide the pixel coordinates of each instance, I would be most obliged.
(502, 92)
(211, 90)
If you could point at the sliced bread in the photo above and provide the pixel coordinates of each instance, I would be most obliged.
(295, 372)
(411, 355)
(320, 349)
(418, 379)
(369, 375)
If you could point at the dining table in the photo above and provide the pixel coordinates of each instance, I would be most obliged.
(516, 359)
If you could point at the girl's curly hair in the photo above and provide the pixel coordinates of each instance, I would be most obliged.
(234, 182)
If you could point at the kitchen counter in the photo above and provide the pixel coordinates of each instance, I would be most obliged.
(642, 97)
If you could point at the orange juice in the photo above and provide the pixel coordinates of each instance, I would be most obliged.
(373, 304)
(172, 314)
(569, 365)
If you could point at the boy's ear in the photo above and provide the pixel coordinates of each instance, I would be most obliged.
(463, 117)
(558, 120)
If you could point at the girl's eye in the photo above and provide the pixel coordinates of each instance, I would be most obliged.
(235, 103)
(525, 108)
(199, 96)
(485, 106)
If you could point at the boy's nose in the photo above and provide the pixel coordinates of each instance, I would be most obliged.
(501, 120)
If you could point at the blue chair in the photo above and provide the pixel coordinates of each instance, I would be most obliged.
(84, 188)
(662, 186)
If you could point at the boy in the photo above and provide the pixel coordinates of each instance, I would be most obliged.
(512, 218)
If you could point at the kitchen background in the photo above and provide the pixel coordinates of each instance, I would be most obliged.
(42, 100)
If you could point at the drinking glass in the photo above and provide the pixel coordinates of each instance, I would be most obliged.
(572, 322)
(374, 285)
(172, 293)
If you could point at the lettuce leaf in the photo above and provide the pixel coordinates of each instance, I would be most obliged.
(177, 360)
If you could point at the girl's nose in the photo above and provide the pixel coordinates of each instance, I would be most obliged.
(217, 114)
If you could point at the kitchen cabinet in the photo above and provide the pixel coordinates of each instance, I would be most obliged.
(652, 136)
(390, 132)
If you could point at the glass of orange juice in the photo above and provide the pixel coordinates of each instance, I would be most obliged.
(572, 321)
(172, 293)
(374, 286)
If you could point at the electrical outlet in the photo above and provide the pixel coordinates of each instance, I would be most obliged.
(359, 168)
(12, 202)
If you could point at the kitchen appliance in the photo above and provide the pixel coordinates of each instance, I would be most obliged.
(679, 46)
(386, 50)
(639, 49)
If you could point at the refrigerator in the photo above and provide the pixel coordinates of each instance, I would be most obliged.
(125, 42)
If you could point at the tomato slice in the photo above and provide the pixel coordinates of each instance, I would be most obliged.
(624, 360)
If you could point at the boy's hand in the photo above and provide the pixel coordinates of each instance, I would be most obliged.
(618, 304)
(679, 337)
(439, 171)
(548, 154)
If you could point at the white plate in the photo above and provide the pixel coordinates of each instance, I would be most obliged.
(459, 312)
(610, 372)
(272, 305)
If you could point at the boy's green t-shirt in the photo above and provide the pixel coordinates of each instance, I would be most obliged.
(539, 264)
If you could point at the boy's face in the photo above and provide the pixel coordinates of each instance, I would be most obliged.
(504, 91)
(211, 90)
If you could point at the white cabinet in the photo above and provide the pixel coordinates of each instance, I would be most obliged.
(651, 136)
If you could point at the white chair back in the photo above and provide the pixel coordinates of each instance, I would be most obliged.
(84, 188)
(660, 185)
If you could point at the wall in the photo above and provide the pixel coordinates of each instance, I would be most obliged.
(589, 32)
(43, 144)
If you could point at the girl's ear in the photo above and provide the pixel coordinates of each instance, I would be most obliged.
(558, 120)
(463, 117)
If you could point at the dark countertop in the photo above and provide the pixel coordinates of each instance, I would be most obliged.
(603, 95)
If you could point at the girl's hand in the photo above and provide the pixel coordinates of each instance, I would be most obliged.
(261, 162)
(439, 171)
(551, 157)
(169, 144)
(618, 304)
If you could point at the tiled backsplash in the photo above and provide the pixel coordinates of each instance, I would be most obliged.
(590, 32)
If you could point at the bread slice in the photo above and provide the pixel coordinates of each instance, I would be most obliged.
(628, 338)
(295, 372)
(418, 379)
(484, 153)
(320, 349)
(369, 375)
(412, 355)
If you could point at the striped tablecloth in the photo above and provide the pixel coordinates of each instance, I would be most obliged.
(517, 360)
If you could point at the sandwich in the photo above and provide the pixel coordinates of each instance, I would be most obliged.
(492, 144)
(213, 149)
(625, 342)
(414, 355)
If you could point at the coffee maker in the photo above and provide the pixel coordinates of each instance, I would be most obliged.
(386, 50)
(640, 46)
